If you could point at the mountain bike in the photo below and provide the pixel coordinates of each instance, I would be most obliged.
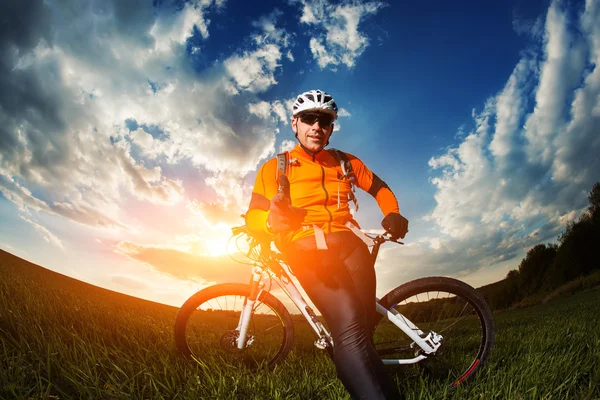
(440, 324)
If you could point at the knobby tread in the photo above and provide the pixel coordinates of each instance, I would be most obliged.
(457, 287)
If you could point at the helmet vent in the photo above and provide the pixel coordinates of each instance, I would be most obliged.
(316, 100)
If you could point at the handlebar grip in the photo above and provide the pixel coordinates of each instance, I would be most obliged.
(391, 238)
(236, 230)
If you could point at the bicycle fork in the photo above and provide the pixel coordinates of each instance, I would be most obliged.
(429, 343)
(247, 309)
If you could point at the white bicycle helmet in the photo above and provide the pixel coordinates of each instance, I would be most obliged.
(316, 100)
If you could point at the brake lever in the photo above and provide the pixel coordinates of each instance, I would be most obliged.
(388, 236)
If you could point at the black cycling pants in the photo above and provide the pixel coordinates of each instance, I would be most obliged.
(340, 281)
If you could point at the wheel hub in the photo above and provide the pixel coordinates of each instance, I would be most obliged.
(229, 341)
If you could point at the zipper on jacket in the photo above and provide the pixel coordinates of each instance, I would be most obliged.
(326, 197)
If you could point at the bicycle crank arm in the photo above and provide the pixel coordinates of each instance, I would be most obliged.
(395, 350)
(402, 362)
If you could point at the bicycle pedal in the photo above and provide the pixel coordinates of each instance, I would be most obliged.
(321, 343)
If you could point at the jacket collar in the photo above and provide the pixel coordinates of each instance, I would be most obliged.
(301, 152)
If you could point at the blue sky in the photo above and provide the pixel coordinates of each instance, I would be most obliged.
(132, 131)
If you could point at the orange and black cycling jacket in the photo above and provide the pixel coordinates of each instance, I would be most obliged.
(316, 185)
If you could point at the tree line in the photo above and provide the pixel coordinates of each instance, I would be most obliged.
(547, 267)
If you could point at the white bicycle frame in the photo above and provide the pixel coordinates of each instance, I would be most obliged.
(429, 344)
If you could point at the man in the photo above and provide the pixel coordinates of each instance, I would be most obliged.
(302, 202)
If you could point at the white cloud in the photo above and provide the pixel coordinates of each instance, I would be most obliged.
(186, 262)
(262, 109)
(284, 114)
(342, 112)
(75, 144)
(336, 37)
(46, 234)
(517, 178)
(276, 111)
(254, 71)
(270, 33)
(560, 74)
(174, 27)
(321, 53)
(532, 27)
(286, 145)
(150, 184)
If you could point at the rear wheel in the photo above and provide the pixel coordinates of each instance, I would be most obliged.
(206, 327)
(448, 307)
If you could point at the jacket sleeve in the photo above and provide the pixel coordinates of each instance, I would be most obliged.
(375, 186)
(265, 188)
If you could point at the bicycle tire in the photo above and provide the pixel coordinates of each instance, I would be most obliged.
(476, 322)
(213, 333)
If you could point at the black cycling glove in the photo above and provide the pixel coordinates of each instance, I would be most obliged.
(282, 215)
(396, 225)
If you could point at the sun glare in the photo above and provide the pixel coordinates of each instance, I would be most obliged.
(216, 244)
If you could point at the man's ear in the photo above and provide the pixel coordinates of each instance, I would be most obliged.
(331, 134)
(294, 124)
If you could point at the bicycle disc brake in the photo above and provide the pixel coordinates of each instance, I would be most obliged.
(229, 341)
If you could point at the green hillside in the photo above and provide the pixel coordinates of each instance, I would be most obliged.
(62, 338)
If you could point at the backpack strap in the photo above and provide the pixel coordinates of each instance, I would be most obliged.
(347, 172)
(345, 164)
(282, 163)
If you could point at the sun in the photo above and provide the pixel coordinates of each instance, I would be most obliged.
(215, 243)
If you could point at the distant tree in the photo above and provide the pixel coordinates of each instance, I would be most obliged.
(534, 266)
(594, 199)
(577, 255)
(547, 266)
(579, 252)
(511, 289)
(513, 274)
(501, 295)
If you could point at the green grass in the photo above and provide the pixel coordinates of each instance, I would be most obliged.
(61, 338)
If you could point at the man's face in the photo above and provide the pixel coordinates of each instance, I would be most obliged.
(313, 129)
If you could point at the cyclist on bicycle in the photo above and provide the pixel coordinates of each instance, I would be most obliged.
(301, 200)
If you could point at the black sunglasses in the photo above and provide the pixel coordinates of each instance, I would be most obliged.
(325, 120)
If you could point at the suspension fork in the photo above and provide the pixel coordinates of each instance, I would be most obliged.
(244, 323)
(429, 343)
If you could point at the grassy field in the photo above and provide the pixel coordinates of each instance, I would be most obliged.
(61, 338)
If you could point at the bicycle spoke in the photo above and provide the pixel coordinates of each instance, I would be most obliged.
(268, 329)
(212, 330)
(445, 312)
(454, 323)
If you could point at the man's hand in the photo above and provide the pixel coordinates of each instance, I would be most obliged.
(396, 225)
(282, 216)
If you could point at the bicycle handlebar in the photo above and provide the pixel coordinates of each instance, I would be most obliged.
(236, 230)
(266, 251)
(388, 237)
(381, 237)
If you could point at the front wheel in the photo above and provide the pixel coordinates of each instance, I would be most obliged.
(206, 327)
(450, 308)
